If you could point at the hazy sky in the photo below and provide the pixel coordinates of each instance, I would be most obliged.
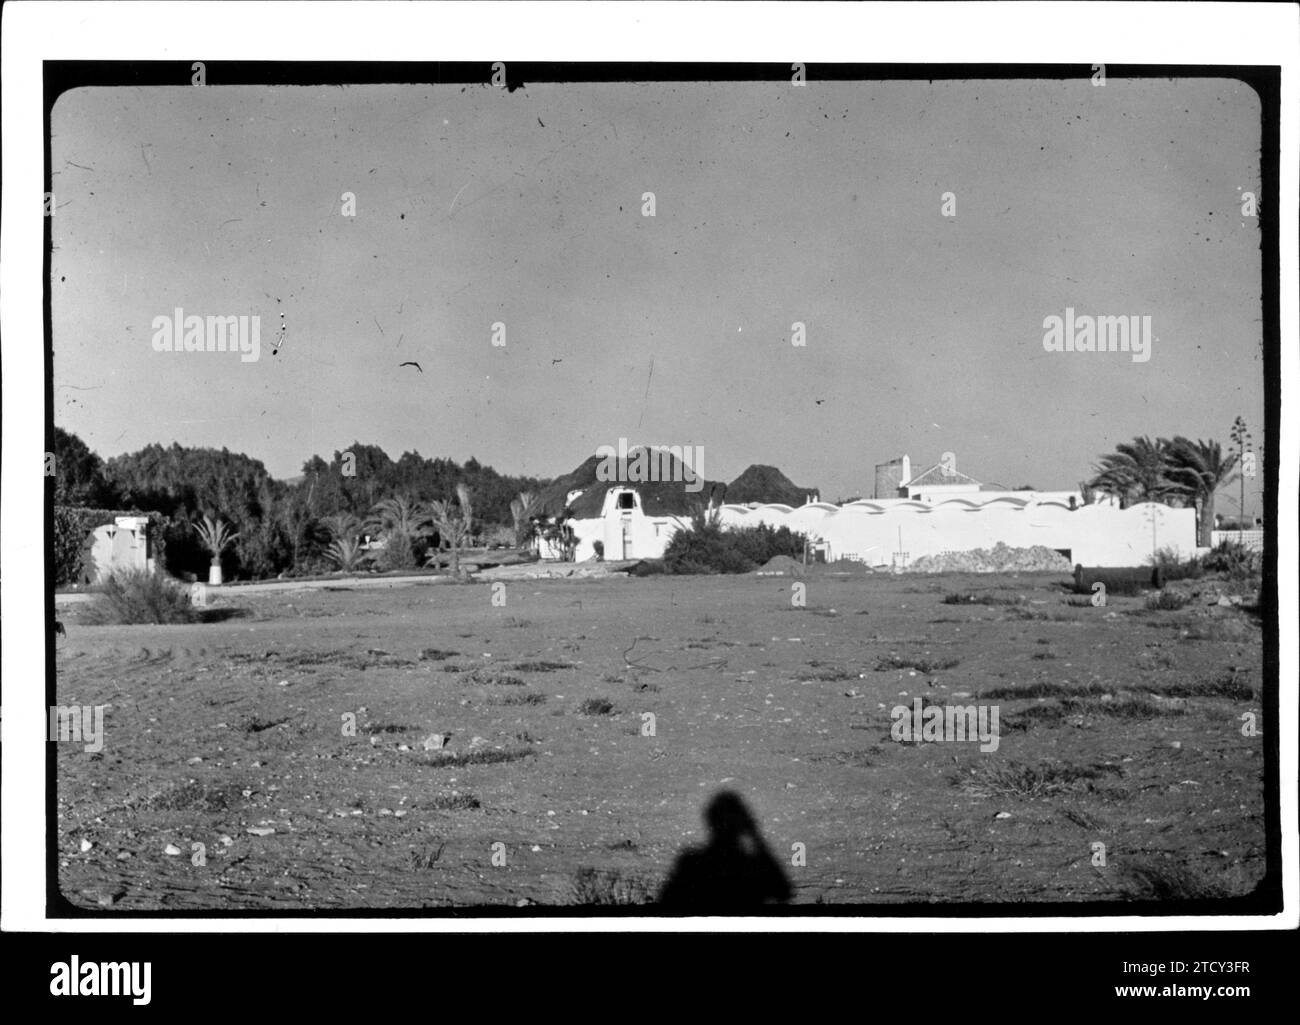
(774, 204)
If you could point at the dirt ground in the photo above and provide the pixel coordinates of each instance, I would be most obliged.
(1118, 727)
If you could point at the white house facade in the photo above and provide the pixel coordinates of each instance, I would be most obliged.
(895, 532)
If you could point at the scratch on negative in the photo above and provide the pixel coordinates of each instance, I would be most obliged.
(456, 197)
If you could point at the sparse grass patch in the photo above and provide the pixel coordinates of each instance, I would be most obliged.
(921, 665)
(1082, 819)
(198, 797)
(425, 859)
(445, 759)
(451, 802)
(494, 678)
(257, 724)
(515, 622)
(384, 727)
(1151, 880)
(1127, 706)
(1042, 656)
(832, 674)
(610, 888)
(541, 667)
(1045, 689)
(596, 706)
(1025, 612)
(857, 759)
(1017, 780)
(527, 698)
(960, 598)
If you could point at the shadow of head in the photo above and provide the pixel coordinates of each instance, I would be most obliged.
(734, 871)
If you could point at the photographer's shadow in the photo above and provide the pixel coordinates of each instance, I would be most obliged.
(734, 872)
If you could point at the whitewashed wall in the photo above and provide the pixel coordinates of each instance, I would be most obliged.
(876, 531)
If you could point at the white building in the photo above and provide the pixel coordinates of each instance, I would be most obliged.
(947, 513)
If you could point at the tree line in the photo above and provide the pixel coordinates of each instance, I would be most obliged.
(266, 527)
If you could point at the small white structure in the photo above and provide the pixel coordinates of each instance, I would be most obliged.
(122, 545)
(623, 528)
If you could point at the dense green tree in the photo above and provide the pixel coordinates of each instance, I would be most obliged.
(79, 477)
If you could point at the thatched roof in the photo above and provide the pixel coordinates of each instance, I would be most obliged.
(658, 497)
(767, 484)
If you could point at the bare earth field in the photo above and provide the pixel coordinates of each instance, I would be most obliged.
(1119, 726)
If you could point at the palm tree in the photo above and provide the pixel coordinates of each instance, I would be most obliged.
(341, 525)
(216, 537)
(519, 512)
(346, 553)
(1137, 471)
(1199, 469)
(401, 520)
(454, 523)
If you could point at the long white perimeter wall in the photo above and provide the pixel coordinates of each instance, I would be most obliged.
(875, 532)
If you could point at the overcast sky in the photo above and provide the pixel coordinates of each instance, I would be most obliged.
(773, 204)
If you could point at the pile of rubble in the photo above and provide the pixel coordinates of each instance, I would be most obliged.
(999, 559)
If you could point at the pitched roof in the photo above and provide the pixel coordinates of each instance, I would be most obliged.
(768, 485)
(658, 497)
(939, 475)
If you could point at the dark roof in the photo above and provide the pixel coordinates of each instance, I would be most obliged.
(767, 484)
(658, 498)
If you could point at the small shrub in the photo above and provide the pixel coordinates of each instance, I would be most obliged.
(437, 655)
(1167, 601)
(1233, 559)
(609, 888)
(140, 596)
(527, 698)
(1174, 567)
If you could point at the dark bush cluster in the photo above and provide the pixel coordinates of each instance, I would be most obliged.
(1235, 560)
(706, 547)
